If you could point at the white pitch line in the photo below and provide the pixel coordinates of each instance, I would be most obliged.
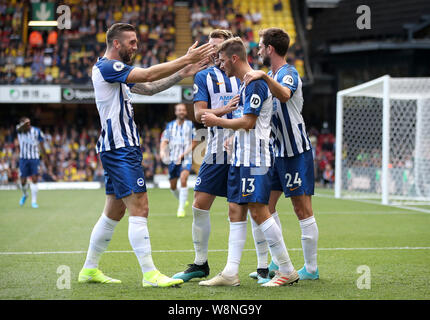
(213, 250)
(375, 202)
(316, 213)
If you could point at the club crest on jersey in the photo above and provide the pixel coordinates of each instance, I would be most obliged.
(140, 182)
(255, 101)
(195, 88)
(118, 66)
(288, 79)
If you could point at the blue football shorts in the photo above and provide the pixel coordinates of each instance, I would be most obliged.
(212, 179)
(249, 184)
(28, 167)
(176, 169)
(124, 173)
(295, 175)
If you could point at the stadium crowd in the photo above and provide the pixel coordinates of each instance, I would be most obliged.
(71, 154)
(209, 15)
(67, 56)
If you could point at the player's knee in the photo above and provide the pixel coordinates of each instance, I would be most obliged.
(254, 215)
(197, 203)
(141, 211)
(272, 208)
(203, 200)
(298, 209)
(302, 211)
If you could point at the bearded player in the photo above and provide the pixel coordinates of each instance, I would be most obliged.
(293, 172)
(114, 80)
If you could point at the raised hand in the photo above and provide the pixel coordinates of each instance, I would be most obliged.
(232, 104)
(192, 69)
(197, 54)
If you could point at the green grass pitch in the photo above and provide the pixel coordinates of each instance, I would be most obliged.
(394, 243)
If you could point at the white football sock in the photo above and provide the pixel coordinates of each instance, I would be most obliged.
(138, 235)
(275, 216)
(34, 189)
(260, 244)
(236, 242)
(23, 188)
(276, 243)
(201, 230)
(309, 243)
(183, 196)
(99, 240)
(175, 193)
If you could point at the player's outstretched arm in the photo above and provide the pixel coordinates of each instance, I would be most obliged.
(247, 121)
(277, 90)
(163, 70)
(151, 88)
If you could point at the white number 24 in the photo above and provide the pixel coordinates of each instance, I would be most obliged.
(296, 181)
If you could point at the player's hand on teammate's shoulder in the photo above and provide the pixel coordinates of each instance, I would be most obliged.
(196, 54)
(253, 75)
(209, 119)
(232, 104)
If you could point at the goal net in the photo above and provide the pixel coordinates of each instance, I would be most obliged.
(383, 140)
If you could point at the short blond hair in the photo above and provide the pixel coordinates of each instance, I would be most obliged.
(234, 46)
(221, 34)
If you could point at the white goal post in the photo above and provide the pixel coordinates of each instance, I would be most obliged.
(383, 140)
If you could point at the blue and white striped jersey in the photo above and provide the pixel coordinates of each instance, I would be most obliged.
(29, 143)
(214, 87)
(180, 138)
(252, 148)
(113, 100)
(288, 127)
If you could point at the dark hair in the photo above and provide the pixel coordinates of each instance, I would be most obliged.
(234, 46)
(23, 119)
(115, 31)
(277, 38)
(221, 34)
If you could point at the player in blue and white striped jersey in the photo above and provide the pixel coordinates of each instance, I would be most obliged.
(114, 79)
(293, 172)
(249, 178)
(30, 140)
(216, 93)
(212, 91)
(178, 138)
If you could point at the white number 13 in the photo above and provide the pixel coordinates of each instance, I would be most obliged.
(251, 186)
